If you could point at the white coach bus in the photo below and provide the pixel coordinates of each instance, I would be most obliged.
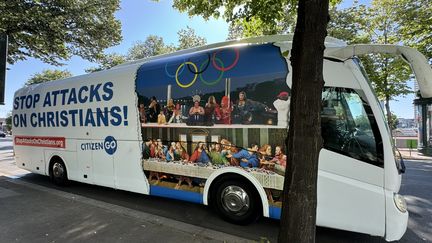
(208, 125)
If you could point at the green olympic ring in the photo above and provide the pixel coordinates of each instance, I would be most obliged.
(193, 80)
(210, 83)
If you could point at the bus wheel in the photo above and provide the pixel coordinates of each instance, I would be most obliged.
(58, 173)
(237, 202)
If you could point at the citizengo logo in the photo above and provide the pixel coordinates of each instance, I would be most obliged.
(109, 145)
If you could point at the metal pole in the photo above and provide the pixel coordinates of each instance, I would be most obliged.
(3, 61)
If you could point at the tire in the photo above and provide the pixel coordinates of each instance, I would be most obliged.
(58, 173)
(237, 201)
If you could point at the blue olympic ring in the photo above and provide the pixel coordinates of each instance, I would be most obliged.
(173, 75)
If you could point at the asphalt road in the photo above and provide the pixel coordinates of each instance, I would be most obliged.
(417, 187)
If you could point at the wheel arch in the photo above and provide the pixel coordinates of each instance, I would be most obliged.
(52, 159)
(226, 172)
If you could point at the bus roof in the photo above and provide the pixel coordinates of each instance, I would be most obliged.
(329, 42)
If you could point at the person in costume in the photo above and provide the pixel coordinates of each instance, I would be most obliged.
(225, 110)
(282, 105)
(196, 112)
(200, 155)
(248, 157)
(211, 111)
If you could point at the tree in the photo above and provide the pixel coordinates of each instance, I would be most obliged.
(153, 45)
(9, 121)
(250, 26)
(188, 39)
(345, 24)
(389, 75)
(414, 22)
(378, 23)
(300, 186)
(394, 122)
(108, 61)
(348, 24)
(53, 31)
(48, 75)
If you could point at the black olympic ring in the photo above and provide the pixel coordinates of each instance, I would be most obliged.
(200, 71)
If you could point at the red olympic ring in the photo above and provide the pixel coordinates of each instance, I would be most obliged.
(230, 66)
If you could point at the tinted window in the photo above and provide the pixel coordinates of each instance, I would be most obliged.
(349, 126)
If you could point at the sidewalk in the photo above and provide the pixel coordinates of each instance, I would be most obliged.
(33, 213)
(413, 155)
(8, 166)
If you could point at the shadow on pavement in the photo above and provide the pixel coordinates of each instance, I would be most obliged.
(195, 214)
(6, 148)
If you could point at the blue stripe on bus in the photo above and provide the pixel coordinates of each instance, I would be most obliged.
(275, 212)
(160, 191)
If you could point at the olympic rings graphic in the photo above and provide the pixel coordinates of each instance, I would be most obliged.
(201, 70)
(172, 75)
(217, 63)
(193, 80)
(230, 66)
(210, 83)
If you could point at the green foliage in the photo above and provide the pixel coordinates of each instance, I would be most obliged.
(48, 75)
(348, 24)
(415, 23)
(254, 26)
(108, 61)
(9, 121)
(246, 18)
(53, 31)
(152, 46)
(187, 38)
(247, 23)
(377, 23)
(268, 11)
(394, 121)
(389, 76)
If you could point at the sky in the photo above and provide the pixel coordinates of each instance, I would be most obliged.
(140, 19)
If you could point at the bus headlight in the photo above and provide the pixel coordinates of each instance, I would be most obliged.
(400, 203)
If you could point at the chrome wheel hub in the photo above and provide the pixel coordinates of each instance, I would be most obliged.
(235, 199)
(58, 170)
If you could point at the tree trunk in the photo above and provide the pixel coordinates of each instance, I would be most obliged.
(389, 115)
(387, 97)
(304, 140)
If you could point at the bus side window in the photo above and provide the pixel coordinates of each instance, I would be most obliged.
(348, 127)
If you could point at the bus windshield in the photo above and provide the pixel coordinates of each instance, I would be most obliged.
(398, 159)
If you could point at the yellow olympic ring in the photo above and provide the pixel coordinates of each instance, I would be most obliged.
(195, 75)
